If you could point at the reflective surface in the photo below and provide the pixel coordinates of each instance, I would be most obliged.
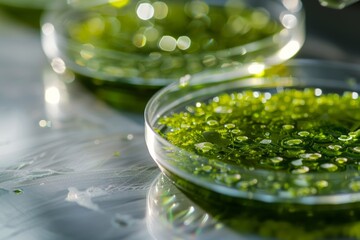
(72, 167)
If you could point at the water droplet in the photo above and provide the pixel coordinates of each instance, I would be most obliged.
(242, 138)
(301, 170)
(292, 142)
(288, 127)
(265, 141)
(303, 133)
(345, 138)
(329, 167)
(204, 146)
(310, 156)
(212, 122)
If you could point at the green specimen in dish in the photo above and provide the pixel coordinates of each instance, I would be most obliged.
(298, 131)
(285, 135)
(169, 39)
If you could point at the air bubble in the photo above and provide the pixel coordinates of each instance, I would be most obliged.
(310, 156)
(223, 109)
(229, 126)
(321, 184)
(293, 142)
(301, 170)
(288, 126)
(204, 146)
(345, 138)
(341, 160)
(303, 133)
(242, 138)
(206, 168)
(236, 131)
(355, 186)
(329, 167)
(212, 122)
(334, 147)
(356, 149)
(297, 162)
(276, 160)
(265, 141)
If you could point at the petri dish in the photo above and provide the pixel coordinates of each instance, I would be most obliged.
(126, 50)
(288, 136)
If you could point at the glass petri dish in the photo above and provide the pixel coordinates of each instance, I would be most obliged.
(287, 136)
(126, 50)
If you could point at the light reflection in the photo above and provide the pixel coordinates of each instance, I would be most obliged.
(145, 11)
(289, 50)
(161, 10)
(318, 92)
(355, 95)
(87, 51)
(45, 123)
(58, 65)
(167, 43)
(139, 40)
(183, 42)
(52, 95)
(292, 5)
(289, 21)
(256, 68)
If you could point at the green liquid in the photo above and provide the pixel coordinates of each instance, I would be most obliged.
(179, 38)
(296, 132)
(262, 220)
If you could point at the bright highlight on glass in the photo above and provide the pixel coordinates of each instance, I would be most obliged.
(52, 95)
(145, 11)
